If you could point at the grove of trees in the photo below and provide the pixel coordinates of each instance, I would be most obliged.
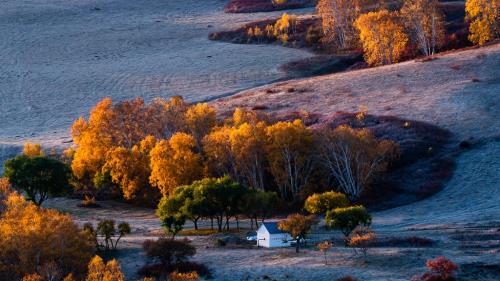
(148, 151)
(389, 30)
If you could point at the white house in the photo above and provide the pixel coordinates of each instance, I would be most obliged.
(269, 236)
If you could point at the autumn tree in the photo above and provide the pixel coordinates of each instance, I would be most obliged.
(40, 241)
(200, 119)
(425, 23)
(383, 37)
(320, 203)
(360, 238)
(33, 150)
(353, 157)
(124, 124)
(324, 247)
(289, 148)
(248, 147)
(348, 218)
(483, 16)
(38, 177)
(100, 271)
(174, 162)
(337, 17)
(220, 158)
(130, 169)
(298, 226)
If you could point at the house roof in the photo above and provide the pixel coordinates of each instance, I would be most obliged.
(272, 227)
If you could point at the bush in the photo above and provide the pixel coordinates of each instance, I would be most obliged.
(169, 251)
(441, 269)
(173, 257)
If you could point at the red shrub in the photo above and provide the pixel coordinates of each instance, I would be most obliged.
(441, 269)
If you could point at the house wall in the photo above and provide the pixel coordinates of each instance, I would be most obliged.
(264, 239)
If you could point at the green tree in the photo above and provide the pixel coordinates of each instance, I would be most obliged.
(38, 177)
(324, 202)
(173, 224)
(298, 226)
(347, 219)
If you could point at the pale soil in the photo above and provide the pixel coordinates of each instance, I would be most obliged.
(58, 58)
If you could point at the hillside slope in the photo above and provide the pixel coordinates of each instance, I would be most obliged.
(459, 91)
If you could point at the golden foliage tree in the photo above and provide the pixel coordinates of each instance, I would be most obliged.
(320, 203)
(298, 226)
(353, 157)
(122, 125)
(130, 168)
(100, 271)
(484, 20)
(383, 37)
(290, 155)
(174, 162)
(189, 276)
(248, 147)
(40, 241)
(200, 119)
(33, 150)
(425, 22)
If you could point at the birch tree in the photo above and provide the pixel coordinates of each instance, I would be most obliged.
(354, 157)
(425, 24)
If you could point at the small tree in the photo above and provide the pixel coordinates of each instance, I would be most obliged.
(298, 226)
(324, 247)
(321, 203)
(38, 177)
(99, 271)
(173, 224)
(347, 219)
(107, 229)
(361, 238)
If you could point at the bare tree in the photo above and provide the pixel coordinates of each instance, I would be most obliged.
(353, 157)
(424, 22)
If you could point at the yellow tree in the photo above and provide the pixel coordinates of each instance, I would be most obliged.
(33, 150)
(220, 158)
(383, 37)
(124, 124)
(290, 155)
(484, 20)
(200, 120)
(247, 143)
(130, 169)
(354, 157)
(174, 163)
(425, 22)
(298, 226)
(99, 271)
(34, 239)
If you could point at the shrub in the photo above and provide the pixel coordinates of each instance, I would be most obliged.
(169, 251)
(441, 269)
(176, 276)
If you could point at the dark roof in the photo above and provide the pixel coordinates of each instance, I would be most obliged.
(272, 227)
